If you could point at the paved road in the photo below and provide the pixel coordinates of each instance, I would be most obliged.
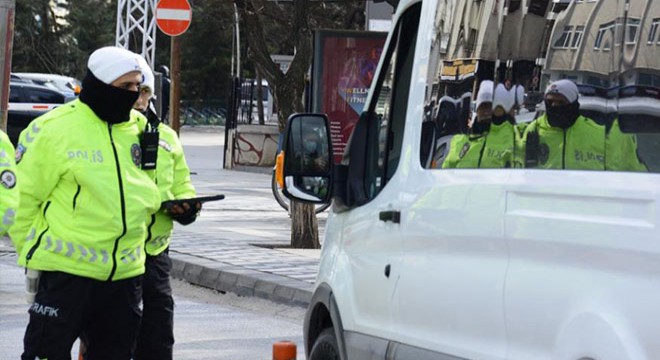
(208, 325)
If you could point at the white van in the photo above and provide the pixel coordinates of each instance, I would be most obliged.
(422, 261)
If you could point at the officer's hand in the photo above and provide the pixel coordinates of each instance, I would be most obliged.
(185, 212)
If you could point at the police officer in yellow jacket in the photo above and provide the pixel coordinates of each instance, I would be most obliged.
(493, 136)
(156, 336)
(82, 219)
(8, 189)
(563, 139)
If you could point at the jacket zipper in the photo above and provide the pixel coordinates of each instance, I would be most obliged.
(36, 245)
(481, 153)
(563, 153)
(75, 197)
(123, 205)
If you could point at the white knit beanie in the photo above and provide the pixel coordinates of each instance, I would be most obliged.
(563, 87)
(504, 98)
(110, 63)
(147, 75)
(485, 93)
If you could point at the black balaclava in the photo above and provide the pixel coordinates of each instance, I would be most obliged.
(499, 120)
(562, 116)
(110, 103)
(480, 127)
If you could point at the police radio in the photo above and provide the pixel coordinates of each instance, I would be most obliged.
(149, 139)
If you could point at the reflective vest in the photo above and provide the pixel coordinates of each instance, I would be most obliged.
(85, 201)
(495, 149)
(173, 180)
(8, 184)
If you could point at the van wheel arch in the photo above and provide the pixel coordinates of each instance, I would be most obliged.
(323, 314)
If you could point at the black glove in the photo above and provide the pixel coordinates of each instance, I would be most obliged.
(188, 217)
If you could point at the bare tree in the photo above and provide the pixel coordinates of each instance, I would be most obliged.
(291, 23)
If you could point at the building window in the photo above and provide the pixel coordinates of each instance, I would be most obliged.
(653, 32)
(577, 37)
(604, 36)
(632, 28)
(565, 38)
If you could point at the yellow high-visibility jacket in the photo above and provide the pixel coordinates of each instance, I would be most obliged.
(173, 180)
(9, 193)
(85, 201)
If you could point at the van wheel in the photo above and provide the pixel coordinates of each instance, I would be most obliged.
(325, 347)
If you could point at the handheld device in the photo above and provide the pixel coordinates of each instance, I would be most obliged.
(200, 199)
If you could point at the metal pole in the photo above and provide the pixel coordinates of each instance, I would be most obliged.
(175, 88)
(7, 8)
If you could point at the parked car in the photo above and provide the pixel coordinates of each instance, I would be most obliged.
(64, 84)
(509, 262)
(27, 101)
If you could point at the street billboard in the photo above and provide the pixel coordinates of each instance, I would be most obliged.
(343, 68)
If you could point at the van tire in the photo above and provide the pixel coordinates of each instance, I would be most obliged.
(325, 347)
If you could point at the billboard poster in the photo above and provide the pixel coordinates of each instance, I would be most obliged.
(344, 65)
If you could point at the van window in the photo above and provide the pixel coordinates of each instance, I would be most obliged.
(604, 115)
(387, 111)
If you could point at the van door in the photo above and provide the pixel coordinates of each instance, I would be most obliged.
(371, 231)
(452, 255)
(584, 244)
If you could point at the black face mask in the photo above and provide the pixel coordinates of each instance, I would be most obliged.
(563, 116)
(499, 120)
(480, 127)
(112, 104)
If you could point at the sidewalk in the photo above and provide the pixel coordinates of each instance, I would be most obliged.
(239, 244)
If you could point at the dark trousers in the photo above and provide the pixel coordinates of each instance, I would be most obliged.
(156, 337)
(67, 305)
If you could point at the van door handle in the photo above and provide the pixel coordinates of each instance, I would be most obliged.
(390, 215)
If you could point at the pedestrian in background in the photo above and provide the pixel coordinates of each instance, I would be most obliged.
(82, 219)
(8, 190)
(165, 84)
(156, 336)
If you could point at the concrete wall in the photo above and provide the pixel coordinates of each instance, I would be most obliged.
(256, 145)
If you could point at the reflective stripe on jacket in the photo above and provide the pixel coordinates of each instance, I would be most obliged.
(8, 184)
(85, 201)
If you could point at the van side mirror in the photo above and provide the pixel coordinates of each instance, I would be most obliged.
(307, 167)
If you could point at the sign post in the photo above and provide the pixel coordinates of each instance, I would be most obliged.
(7, 8)
(173, 18)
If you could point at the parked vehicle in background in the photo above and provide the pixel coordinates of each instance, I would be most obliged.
(61, 83)
(533, 259)
(249, 110)
(27, 101)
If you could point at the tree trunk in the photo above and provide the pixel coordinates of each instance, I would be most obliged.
(287, 93)
(304, 227)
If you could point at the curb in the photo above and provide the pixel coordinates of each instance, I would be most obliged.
(240, 281)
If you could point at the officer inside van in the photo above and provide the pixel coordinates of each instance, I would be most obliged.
(493, 136)
(561, 138)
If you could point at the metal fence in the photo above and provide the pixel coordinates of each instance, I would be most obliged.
(203, 112)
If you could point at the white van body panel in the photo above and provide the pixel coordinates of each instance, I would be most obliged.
(501, 263)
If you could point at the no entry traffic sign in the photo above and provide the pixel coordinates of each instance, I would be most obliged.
(173, 16)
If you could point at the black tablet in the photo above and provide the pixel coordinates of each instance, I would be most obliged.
(200, 199)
